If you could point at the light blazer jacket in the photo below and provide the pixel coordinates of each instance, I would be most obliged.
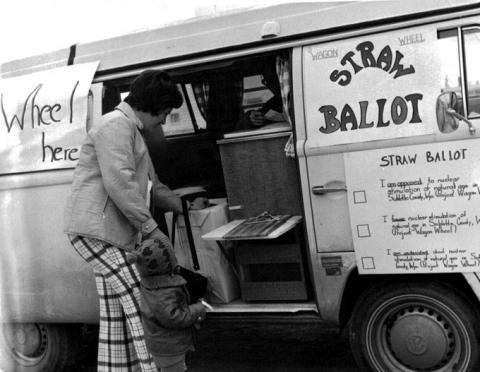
(109, 191)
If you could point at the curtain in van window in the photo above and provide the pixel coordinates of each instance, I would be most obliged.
(283, 72)
(201, 92)
(224, 102)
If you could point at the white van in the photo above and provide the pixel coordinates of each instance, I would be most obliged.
(371, 148)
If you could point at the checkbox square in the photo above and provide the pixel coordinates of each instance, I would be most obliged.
(363, 231)
(368, 263)
(359, 197)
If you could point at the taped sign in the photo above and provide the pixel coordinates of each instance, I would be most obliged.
(371, 88)
(43, 118)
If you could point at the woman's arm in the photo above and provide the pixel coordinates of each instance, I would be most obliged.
(164, 198)
(114, 146)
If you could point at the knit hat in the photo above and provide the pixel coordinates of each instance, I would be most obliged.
(155, 257)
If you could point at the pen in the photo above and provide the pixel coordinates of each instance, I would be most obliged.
(207, 305)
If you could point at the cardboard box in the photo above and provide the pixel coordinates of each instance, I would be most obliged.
(223, 285)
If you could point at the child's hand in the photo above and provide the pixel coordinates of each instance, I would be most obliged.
(201, 317)
(201, 311)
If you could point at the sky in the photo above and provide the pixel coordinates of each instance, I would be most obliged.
(31, 27)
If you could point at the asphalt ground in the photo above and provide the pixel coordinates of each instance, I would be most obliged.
(232, 347)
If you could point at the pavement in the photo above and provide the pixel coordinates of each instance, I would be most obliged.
(231, 347)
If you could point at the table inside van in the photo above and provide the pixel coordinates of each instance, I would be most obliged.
(221, 233)
(270, 267)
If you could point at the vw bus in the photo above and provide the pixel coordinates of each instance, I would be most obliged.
(371, 151)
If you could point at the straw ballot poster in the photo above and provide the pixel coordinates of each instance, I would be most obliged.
(369, 88)
(417, 208)
(412, 209)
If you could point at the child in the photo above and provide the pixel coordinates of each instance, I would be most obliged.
(166, 315)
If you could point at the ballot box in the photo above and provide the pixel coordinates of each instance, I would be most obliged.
(223, 285)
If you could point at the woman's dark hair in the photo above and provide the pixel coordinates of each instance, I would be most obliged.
(270, 76)
(153, 91)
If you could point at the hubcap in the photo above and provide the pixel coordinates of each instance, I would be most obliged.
(27, 343)
(420, 339)
(417, 333)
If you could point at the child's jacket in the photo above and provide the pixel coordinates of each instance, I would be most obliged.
(166, 315)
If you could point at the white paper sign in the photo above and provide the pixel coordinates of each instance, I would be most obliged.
(43, 118)
(370, 88)
(416, 209)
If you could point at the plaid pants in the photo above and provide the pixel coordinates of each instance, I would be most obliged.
(121, 344)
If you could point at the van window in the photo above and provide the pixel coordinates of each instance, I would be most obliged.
(450, 78)
(187, 118)
(255, 93)
(219, 96)
(224, 94)
(451, 49)
(184, 120)
(472, 56)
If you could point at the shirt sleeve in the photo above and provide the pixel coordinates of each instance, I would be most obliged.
(114, 144)
(163, 197)
(173, 312)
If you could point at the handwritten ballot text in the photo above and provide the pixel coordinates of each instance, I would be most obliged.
(421, 205)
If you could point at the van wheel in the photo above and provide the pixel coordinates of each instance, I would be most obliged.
(414, 326)
(28, 347)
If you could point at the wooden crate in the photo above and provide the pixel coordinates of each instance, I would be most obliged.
(271, 271)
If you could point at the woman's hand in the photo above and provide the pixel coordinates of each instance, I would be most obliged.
(155, 234)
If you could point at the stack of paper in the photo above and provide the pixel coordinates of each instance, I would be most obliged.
(256, 227)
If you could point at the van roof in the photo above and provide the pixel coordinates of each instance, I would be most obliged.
(231, 31)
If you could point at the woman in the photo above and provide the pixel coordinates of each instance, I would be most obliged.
(107, 213)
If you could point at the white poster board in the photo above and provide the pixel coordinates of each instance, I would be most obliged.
(43, 118)
(372, 87)
(416, 209)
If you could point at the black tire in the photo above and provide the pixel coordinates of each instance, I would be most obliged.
(414, 326)
(34, 347)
